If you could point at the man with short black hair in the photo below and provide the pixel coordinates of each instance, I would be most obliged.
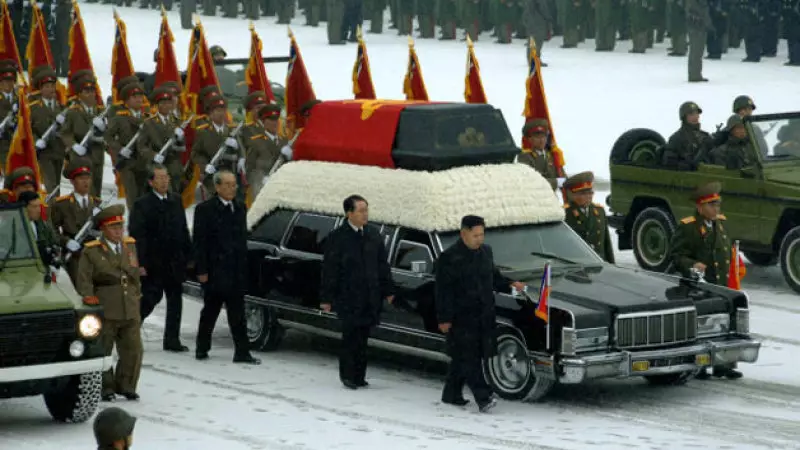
(355, 280)
(466, 279)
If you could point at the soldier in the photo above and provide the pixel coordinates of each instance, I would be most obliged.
(175, 89)
(701, 243)
(113, 427)
(8, 107)
(677, 27)
(353, 19)
(374, 10)
(158, 129)
(83, 116)
(253, 126)
(109, 272)
(70, 212)
(120, 103)
(60, 42)
(735, 153)
(264, 148)
(208, 140)
(770, 20)
(743, 106)
(427, 19)
(43, 233)
(570, 16)
(641, 27)
(689, 142)
(335, 21)
(718, 36)
(209, 8)
(605, 21)
(505, 15)
(538, 157)
(18, 181)
(46, 111)
(585, 218)
(124, 144)
(699, 23)
(285, 11)
(447, 13)
(188, 8)
(791, 24)
(753, 39)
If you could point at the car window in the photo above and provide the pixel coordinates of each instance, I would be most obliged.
(386, 232)
(309, 233)
(778, 139)
(14, 239)
(409, 252)
(272, 227)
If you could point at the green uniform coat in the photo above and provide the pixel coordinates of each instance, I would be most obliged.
(121, 129)
(694, 242)
(67, 218)
(591, 225)
(51, 159)
(77, 123)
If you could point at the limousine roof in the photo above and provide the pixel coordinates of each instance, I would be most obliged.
(503, 194)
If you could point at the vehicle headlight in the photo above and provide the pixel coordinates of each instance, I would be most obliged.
(743, 320)
(89, 326)
(569, 341)
(589, 339)
(713, 324)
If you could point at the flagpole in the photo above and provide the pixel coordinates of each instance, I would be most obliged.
(547, 327)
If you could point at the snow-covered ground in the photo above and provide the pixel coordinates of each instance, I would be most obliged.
(295, 401)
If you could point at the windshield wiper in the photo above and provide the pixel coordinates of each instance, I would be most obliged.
(10, 251)
(553, 256)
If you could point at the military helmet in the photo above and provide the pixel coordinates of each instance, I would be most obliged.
(112, 424)
(733, 121)
(743, 101)
(217, 50)
(688, 108)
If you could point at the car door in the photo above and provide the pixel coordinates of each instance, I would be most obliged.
(263, 255)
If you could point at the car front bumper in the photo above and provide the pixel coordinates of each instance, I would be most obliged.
(627, 364)
(55, 370)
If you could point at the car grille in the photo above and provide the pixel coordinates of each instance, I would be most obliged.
(656, 328)
(34, 338)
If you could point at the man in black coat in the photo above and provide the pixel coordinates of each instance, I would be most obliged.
(355, 281)
(158, 223)
(220, 255)
(466, 279)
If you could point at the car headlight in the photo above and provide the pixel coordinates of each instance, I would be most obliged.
(591, 339)
(89, 326)
(569, 341)
(743, 320)
(713, 324)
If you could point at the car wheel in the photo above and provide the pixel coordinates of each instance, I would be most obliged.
(510, 372)
(790, 258)
(639, 146)
(652, 232)
(263, 330)
(77, 401)
(671, 379)
(761, 259)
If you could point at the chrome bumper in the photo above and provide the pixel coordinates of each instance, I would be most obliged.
(627, 364)
(55, 370)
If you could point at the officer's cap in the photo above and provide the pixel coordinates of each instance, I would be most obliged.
(254, 99)
(743, 101)
(126, 81)
(131, 89)
(689, 108)
(269, 112)
(110, 215)
(111, 425)
(208, 91)
(161, 93)
(535, 126)
(8, 69)
(77, 166)
(733, 121)
(83, 80)
(41, 75)
(214, 102)
(581, 182)
(707, 193)
(20, 176)
(172, 86)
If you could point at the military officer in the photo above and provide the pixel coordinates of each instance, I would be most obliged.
(120, 104)
(285, 10)
(253, 126)
(8, 107)
(42, 231)
(46, 111)
(605, 19)
(208, 140)
(108, 272)
(538, 156)
(125, 145)
(81, 118)
(70, 212)
(60, 43)
(264, 148)
(640, 13)
(447, 14)
(375, 9)
(113, 427)
(718, 37)
(175, 89)
(426, 18)
(586, 218)
(791, 24)
(698, 19)
(159, 128)
(18, 181)
(689, 142)
(701, 242)
(335, 21)
(188, 8)
(677, 27)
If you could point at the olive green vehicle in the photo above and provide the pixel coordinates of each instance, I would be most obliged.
(230, 73)
(761, 201)
(49, 340)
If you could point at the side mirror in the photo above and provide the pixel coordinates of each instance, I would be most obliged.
(419, 266)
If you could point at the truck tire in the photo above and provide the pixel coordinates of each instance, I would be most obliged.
(790, 258)
(510, 372)
(639, 146)
(761, 259)
(263, 330)
(652, 232)
(78, 400)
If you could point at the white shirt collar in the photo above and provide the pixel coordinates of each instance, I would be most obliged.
(163, 118)
(81, 199)
(160, 197)
(116, 248)
(219, 128)
(35, 231)
(355, 228)
(270, 135)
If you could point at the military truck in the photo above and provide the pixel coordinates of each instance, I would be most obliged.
(761, 201)
(50, 341)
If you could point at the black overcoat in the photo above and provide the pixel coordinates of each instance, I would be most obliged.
(220, 246)
(162, 236)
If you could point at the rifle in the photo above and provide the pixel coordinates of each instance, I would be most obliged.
(165, 148)
(123, 160)
(90, 134)
(87, 226)
(282, 159)
(52, 194)
(52, 128)
(9, 118)
(217, 156)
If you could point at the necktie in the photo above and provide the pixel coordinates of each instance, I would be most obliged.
(83, 203)
(361, 232)
(119, 249)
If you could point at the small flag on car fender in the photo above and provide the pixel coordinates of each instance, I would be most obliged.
(543, 308)
(736, 271)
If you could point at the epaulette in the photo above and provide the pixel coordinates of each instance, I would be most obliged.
(149, 117)
(202, 126)
(64, 197)
(38, 101)
(721, 217)
(128, 240)
(689, 219)
(123, 112)
(258, 136)
(94, 243)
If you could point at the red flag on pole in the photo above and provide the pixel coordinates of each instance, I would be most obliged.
(299, 90)
(736, 270)
(473, 86)
(413, 84)
(255, 75)
(536, 106)
(39, 53)
(22, 151)
(363, 88)
(79, 57)
(8, 43)
(166, 63)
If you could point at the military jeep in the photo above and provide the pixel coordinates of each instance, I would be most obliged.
(231, 75)
(761, 201)
(49, 340)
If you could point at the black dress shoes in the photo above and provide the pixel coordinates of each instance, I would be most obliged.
(246, 359)
(176, 347)
(456, 402)
(200, 356)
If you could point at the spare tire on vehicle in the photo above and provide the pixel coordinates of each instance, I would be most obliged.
(639, 146)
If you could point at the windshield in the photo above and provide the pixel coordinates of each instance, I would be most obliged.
(778, 140)
(12, 232)
(516, 248)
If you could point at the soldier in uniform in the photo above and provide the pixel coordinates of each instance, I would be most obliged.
(374, 10)
(8, 107)
(43, 233)
(188, 8)
(45, 112)
(735, 153)
(109, 271)
(81, 117)
(264, 148)
(791, 24)
(208, 140)
(751, 12)
(586, 218)
(120, 104)
(122, 129)
(335, 21)
(570, 16)
(677, 27)
(60, 42)
(641, 27)
(253, 103)
(689, 142)
(18, 181)
(538, 156)
(743, 106)
(113, 427)
(158, 129)
(701, 242)
(285, 11)
(174, 88)
(447, 14)
(718, 37)
(605, 22)
(71, 212)
(698, 19)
